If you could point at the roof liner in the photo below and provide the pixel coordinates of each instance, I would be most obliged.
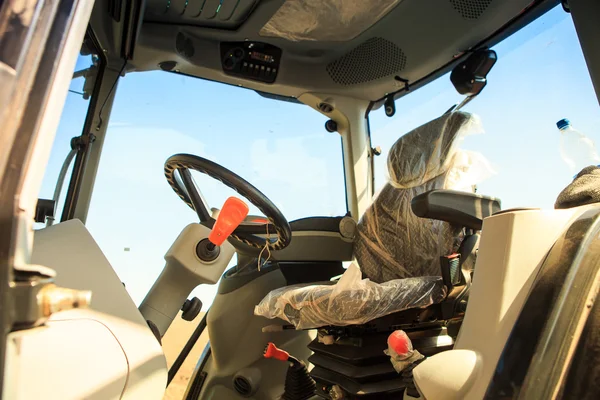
(411, 42)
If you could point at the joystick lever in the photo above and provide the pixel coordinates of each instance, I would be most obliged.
(232, 214)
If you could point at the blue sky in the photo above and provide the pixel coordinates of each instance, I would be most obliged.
(283, 149)
(540, 77)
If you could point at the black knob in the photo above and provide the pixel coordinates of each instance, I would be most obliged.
(238, 53)
(331, 126)
(390, 106)
(228, 63)
(191, 309)
(207, 251)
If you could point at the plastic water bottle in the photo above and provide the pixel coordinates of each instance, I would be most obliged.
(576, 149)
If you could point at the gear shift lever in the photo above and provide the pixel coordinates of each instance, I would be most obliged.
(197, 256)
(230, 217)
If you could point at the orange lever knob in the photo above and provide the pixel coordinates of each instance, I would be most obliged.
(230, 217)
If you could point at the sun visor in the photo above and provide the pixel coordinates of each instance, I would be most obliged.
(325, 20)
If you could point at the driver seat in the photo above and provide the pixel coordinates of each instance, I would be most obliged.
(394, 243)
(411, 231)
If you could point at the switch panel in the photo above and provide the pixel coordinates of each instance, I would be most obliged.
(251, 60)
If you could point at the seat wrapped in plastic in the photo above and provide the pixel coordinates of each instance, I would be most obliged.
(351, 301)
(397, 251)
(392, 242)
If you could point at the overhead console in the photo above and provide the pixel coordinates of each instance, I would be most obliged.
(251, 60)
(221, 14)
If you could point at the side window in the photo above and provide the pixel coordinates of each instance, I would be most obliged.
(540, 78)
(71, 125)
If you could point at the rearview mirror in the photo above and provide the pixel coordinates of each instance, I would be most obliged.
(469, 77)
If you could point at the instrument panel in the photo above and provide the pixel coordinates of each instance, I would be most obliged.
(251, 60)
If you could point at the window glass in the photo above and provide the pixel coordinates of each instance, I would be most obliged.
(281, 148)
(540, 78)
(71, 125)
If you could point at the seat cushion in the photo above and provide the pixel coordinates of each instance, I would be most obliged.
(350, 301)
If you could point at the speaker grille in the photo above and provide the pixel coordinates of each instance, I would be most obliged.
(370, 60)
(470, 9)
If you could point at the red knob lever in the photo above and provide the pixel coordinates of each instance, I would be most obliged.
(271, 351)
(400, 343)
(230, 217)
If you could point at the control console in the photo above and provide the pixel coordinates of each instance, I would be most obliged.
(251, 60)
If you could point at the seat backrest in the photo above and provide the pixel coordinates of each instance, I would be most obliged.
(393, 242)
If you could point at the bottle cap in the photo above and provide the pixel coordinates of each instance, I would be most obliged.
(563, 123)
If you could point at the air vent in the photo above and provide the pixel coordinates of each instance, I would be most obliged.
(371, 60)
(242, 386)
(222, 14)
(471, 9)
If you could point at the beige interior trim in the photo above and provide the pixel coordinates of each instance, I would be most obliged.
(349, 114)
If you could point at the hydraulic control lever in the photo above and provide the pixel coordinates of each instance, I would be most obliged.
(232, 214)
(198, 255)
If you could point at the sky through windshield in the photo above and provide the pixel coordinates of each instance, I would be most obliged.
(282, 148)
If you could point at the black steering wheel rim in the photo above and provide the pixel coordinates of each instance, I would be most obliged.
(246, 234)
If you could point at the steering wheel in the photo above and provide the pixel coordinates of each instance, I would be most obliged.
(184, 185)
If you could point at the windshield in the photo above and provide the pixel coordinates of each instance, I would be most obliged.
(540, 77)
(281, 148)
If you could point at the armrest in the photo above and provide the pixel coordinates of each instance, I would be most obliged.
(459, 208)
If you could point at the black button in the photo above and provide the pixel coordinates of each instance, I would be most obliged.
(228, 63)
(238, 53)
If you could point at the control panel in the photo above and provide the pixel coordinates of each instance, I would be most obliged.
(251, 60)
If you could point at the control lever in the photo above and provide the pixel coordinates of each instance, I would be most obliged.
(232, 214)
(198, 255)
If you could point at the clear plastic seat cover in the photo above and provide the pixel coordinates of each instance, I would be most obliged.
(392, 242)
(397, 253)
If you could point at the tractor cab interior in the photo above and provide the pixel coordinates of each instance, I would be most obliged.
(307, 308)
